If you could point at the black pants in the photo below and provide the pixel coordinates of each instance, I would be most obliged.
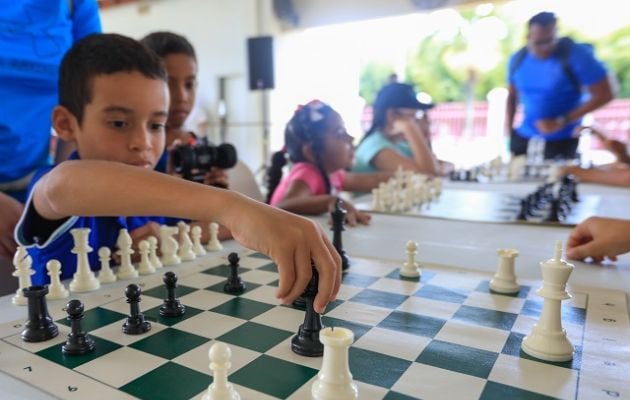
(556, 149)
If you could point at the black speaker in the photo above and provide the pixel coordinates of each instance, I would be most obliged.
(260, 61)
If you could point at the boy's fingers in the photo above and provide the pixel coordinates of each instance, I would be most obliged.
(352, 218)
(286, 273)
(583, 251)
(328, 269)
(303, 273)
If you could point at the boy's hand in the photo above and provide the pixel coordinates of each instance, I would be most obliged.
(10, 211)
(139, 234)
(549, 125)
(217, 177)
(292, 242)
(599, 238)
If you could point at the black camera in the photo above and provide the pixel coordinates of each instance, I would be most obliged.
(193, 161)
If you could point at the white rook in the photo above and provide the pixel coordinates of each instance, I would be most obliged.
(504, 281)
(334, 381)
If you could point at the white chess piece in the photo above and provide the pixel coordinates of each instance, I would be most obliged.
(168, 245)
(548, 340)
(145, 267)
(220, 389)
(106, 275)
(84, 279)
(410, 268)
(214, 244)
(22, 262)
(334, 380)
(376, 200)
(56, 290)
(124, 243)
(185, 251)
(504, 280)
(196, 237)
(153, 245)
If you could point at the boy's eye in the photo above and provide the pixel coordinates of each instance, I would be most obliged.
(118, 124)
(157, 127)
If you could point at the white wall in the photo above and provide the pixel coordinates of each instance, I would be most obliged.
(218, 30)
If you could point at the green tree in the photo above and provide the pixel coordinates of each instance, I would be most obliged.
(373, 77)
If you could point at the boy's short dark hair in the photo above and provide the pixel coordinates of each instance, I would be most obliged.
(102, 54)
(165, 43)
(543, 19)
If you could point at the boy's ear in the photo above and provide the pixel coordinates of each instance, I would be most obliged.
(64, 123)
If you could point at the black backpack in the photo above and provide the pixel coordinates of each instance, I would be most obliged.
(563, 51)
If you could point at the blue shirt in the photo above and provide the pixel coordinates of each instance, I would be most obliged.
(46, 240)
(546, 91)
(371, 146)
(34, 36)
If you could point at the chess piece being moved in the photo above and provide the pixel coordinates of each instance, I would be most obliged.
(169, 246)
(39, 327)
(196, 239)
(185, 251)
(84, 279)
(410, 267)
(124, 243)
(56, 290)
(78, 341)
(548, 340)
(135, 323)
(504, 280)
(334, 380)
(234, 284)
(145, 267)
(172, 306)
(306, 341)
(106, 275)
(153, 257)
(214, 244)
(338, 216)
(220, 389)
(22, 262)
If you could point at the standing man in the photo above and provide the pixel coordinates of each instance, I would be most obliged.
(558, 81)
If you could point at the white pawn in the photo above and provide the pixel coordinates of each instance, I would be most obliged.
(106, 275)
(22, 262)
(220, 389)
(168, 245)
(504, 280)
(84, 279)
(185, 252)
(376, 200)
(410, 268)
(145, 267)
(124, 243)
(334, 380)
(214, 244)
(155, 260)
(196, 238)
(56, 290)
(548, 340)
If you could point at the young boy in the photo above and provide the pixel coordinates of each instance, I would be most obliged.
(113, 103)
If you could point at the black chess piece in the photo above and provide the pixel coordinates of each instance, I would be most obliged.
(172, 307)
(299, 303)
(554, 211)
(39, 326)
(522, 214)
(306, 341)
(234, 284)
(136, 323)
(338, 216)
(78, 341)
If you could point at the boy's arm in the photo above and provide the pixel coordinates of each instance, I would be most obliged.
(357, 182)
(101, 188)
(613, 177)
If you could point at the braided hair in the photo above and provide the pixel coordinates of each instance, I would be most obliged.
(308, 125)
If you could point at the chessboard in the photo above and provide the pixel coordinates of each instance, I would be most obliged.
(444, 336)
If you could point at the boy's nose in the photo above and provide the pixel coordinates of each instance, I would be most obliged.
(140, 140)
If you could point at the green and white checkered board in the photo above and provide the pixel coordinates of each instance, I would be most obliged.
(445, 336)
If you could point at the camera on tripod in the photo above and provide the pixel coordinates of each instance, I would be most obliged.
(193, 161)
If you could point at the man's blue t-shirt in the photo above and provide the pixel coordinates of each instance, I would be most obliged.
(34, 36)
(46, 240)
(371, 146)
(546, 91)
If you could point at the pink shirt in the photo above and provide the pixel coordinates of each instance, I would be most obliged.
(309, 174)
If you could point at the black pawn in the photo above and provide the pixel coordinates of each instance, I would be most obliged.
(554, 211)
(135, 324)
(78, 341)
(234, 284)
(39, 326)
(522, 214)
(306, 342)
(338, 216)
(172, 306)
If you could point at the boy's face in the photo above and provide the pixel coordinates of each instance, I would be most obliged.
(124, 122)
(182, 85)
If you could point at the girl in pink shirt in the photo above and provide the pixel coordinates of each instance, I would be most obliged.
(320, 149)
